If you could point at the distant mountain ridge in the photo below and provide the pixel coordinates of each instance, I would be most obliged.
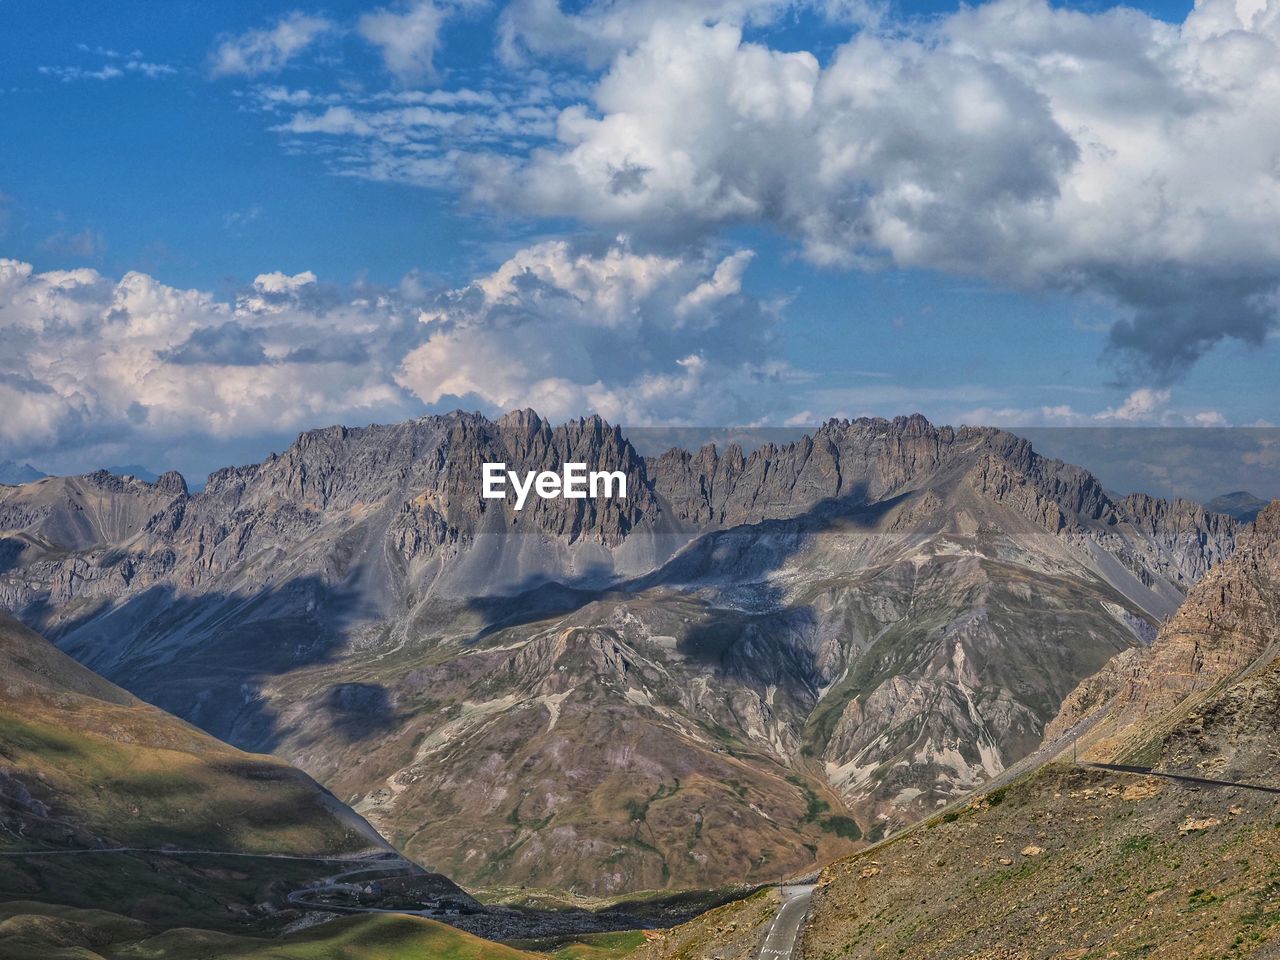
(1241, 505)
(133, 470)
(13, 474)
(754, 661)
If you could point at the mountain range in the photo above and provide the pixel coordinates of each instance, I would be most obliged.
(756, 662)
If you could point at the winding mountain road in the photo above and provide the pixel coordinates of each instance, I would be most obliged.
(780, 941)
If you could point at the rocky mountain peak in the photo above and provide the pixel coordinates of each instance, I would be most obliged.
(1266, 528)
(172, 482)
(524, 424)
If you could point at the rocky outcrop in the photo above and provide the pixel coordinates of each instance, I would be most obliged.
(854, 462)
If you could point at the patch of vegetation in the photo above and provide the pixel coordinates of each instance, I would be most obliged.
(844, 827)
(816, 806)
(1200, 897)
(1266, 911)
(538, 823)
(698, 822)
(590, 946)
(1137, 844)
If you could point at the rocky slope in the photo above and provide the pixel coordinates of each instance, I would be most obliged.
(754, 662)
(1228, 625)
(1075, 861)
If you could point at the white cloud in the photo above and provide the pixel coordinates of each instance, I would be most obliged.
(87, 361)
(407, 37)
(725, 282)
(567, 330)
(1141, 406)
(268, 50)
(71, 74)
(1036, 146)
(1209, 418)
(593, 32)
(426, 138)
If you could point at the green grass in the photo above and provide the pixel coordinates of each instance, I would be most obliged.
(194, 793)
(815, 805)
(35, 930)
(845, 827)
(1137, 844)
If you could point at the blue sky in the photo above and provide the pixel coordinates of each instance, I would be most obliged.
(666, 211)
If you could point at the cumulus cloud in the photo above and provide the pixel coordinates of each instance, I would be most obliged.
(1141, 406)
(1039, 147)
(267, 50)
(87, 360)
(94, 369)
(565, 330)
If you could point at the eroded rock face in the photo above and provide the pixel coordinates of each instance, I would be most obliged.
(1228, 625)
(751, 662)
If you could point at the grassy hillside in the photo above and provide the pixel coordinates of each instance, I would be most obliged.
(30, 930)
(85, 764)
(85, 767)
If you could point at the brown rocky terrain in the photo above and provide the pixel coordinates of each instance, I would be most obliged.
(1072, 863)
(1075, 861)
(754, 663)
(731, 932)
